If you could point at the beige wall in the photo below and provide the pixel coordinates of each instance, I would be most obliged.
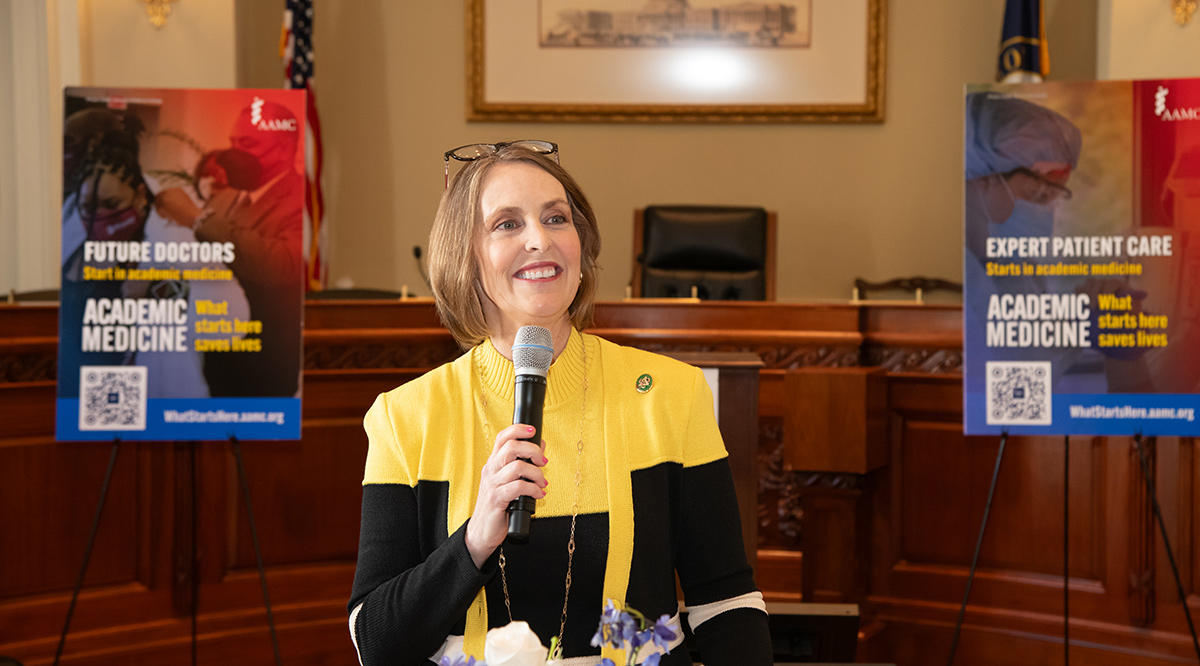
(29, 184)
(48, 44)
(875, 201)
(1141, 40)
(194, 50)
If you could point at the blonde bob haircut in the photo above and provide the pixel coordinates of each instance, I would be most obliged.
(454, 267)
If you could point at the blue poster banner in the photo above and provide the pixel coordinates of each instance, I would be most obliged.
(182, 294)
(1081, 268)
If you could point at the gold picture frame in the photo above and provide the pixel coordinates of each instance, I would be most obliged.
(511, 80)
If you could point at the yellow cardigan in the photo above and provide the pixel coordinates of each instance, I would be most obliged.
(433, 429)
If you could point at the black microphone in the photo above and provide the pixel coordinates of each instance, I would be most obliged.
(421, 267)
(532, 352)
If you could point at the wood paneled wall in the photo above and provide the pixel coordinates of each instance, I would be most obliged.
(894, 535)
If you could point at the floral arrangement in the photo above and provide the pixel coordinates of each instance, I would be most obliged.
(516, 645)
(631, 630)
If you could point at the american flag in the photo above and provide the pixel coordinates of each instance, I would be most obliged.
(295, 47)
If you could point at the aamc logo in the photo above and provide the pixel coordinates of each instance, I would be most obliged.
(269, 124)
(1161, 110)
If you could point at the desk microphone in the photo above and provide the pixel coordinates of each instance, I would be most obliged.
(421, 267)
(532, 352)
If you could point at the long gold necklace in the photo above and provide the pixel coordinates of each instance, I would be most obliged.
(487, 435)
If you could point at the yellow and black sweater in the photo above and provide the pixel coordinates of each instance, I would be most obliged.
(655, 498)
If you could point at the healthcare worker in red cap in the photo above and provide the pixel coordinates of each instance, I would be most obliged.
(260, 211)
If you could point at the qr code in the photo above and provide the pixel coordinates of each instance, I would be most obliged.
(112, 397)
(1018, 393)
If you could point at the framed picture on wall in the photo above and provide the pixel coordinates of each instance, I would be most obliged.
(693, 61)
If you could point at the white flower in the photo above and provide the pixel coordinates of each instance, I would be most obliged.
(514, 645)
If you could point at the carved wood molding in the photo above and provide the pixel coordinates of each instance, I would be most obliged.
(899, 359)
(43, 366)
(374, 356)
(779, 509)
(28, 367)
(776, 357)
(1141, 536)
(831, 480)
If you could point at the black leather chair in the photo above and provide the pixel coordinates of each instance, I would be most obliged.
(724, 252)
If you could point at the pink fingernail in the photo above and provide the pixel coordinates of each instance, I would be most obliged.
(529, 429)
(545, 460)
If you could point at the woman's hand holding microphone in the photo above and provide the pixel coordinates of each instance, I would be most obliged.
(505, 476)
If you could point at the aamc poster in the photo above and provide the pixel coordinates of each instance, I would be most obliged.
(1081, 266)
(182, 270)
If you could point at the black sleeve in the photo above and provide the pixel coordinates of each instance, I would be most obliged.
(410, 603)
(712, 569)
(740, 636)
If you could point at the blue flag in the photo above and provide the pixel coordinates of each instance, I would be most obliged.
(1023, 54)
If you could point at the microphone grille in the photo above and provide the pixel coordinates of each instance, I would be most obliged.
(532, 350)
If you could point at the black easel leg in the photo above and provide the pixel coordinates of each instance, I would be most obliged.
(193, 565)
(262, 574)
(978, 546)
(1162, 526)
(87, 552)
(1066, 550)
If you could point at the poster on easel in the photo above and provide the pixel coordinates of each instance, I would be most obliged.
(181, 302)
(1081, 295)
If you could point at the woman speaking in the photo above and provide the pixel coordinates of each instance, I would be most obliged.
(631, 482)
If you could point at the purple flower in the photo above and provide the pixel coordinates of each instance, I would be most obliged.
(607, 662)
(627, 628)
(640, 638)
(663, 632)
(611, 629)
(611, 613)
(606, 634)
(460, 660)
